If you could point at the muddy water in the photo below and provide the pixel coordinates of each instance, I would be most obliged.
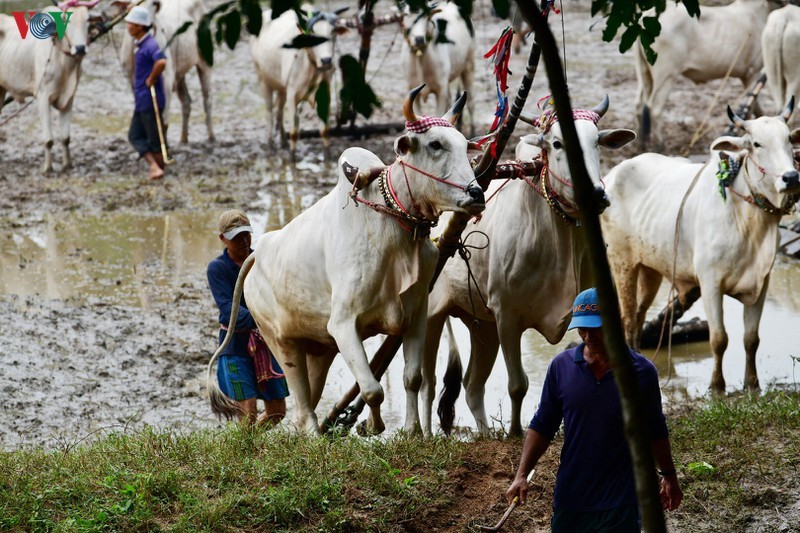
(141, 261)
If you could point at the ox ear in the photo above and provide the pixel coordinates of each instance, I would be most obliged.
(404, 144)
(615, 139)
(340, 30)
(728, 144)
(534, 139)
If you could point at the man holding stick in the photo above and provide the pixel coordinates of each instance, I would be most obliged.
(595, 485)
(150, 62)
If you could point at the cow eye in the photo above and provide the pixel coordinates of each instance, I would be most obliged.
(557, 145)
(757, 145)
(436, 145)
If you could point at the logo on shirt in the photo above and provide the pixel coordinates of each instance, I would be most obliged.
(42, 25)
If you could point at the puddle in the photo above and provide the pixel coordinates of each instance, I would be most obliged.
(140, 260)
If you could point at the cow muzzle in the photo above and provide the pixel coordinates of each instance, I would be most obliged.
(326, 63)
(791, 180)
(476, 202)
(80, 50)
(601, 199)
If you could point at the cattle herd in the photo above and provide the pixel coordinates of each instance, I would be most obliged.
(359, 262)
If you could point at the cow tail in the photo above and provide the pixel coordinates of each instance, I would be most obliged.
(452, 385)
(221, 405)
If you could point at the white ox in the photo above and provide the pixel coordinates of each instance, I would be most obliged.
(780, 43)
(439, 48)
(528, 274)
(725, 247)
(47, 69)
(293, 74)
(725, 37)
(182, 55)
(347, 269)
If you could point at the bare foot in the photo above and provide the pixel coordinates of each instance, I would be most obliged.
(155, 173)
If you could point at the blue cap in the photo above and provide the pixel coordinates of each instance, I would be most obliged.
(586, 311)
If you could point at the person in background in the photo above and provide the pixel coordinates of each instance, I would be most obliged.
(149, 63)
(247, 371)
(595, 485)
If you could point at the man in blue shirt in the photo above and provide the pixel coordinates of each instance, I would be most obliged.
(149, 63)
(595, 485)
(247, 371)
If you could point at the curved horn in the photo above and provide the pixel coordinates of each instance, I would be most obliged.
(602, 107)
(529, 118)
(736, 119)
(455, 111)
(408, 105)
(787, 111)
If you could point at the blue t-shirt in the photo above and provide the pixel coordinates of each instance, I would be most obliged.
(596, 471)
(222, 273)
(146, 53)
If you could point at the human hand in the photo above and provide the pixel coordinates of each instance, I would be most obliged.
(519, 488)
(671, 493)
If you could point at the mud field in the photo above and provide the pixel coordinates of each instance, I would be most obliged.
(123, 348)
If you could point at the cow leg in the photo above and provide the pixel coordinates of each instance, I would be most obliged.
(648, 283)
(186, 108)
(64, 120)
(517, 380)
(483, 353)
(414, 352)
(204, 73)
(318, 367)
(341, 327)
(712, 302)
(658, 101)
(752, 318)
(293, 362)
(433, 336)
(466, 79)
(280, 105)
(295, 132)
(44, 119)
(627, 282)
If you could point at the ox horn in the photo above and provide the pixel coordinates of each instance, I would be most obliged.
(787, 111)
(529, 118)
(458, 106)
(602, 107)
(736, 119)
(408, 105)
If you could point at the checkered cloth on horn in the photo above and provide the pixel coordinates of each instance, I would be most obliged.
(548, 118)
(425, 123)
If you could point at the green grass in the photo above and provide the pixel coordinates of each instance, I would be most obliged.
(231, 480)
(738, 460)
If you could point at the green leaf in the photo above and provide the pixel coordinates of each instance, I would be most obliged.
(204, 41)
(356, 94)
(180, 30)
(252, 12)
(693, 7)
(323, 99)
(651, 26)
(650, 54)
(501, 8)
(233, 28)
(279, 7)
(628, 38)
(701, 468)
(305, 41)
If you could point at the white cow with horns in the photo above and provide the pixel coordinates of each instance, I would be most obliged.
(704, 49)
(182, 55)
(47, 69)
(781, 47)
(726, 228)
(355, 265)
(439, 48)
(293, 75)
(524, 266)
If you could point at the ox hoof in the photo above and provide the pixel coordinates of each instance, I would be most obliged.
(515, 431)
(368, 430)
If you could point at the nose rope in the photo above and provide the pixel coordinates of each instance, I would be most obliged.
(431, 176)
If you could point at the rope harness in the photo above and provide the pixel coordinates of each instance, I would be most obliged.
(729, 168)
